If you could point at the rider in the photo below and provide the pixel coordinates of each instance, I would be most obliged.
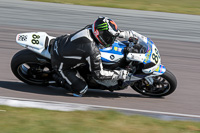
(71, 51)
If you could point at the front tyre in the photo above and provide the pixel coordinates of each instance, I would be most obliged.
(163, 85)
(31, 68)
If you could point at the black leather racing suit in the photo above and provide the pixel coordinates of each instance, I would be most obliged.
(71, 51)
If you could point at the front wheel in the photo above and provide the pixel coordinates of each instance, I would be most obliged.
(163, 85)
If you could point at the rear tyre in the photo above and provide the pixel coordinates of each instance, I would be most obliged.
(31, 68)
(163, 85)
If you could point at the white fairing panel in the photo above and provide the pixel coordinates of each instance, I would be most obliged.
(111, 57)
(136, 57)
(35, 41)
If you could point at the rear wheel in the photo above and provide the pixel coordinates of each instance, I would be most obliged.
(163, 85)
(31, 68)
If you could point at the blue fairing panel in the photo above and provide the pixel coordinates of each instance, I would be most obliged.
(149, 51)
(113, 53)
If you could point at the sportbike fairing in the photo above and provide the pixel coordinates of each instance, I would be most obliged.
(152, 55)
(35, 41)
(147, 54)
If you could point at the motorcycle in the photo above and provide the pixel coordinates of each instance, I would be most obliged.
(33, 65)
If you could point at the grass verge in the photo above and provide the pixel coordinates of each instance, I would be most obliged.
(173, 6)
(29, 120)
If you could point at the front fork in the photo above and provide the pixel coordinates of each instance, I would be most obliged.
(149, 80)
(159, 71)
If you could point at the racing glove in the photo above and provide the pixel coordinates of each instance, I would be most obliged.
(133, 39)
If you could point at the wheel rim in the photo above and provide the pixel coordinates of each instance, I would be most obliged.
(34, 72)
(160, 86)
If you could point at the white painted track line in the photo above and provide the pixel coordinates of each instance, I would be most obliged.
(62, 106)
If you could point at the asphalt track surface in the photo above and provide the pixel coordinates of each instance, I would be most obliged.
(177, 37)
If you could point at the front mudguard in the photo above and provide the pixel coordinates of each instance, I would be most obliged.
(160, 70)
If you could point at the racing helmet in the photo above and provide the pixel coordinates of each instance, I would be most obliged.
(105, 31)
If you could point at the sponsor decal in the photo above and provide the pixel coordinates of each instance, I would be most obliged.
(96, 33)
(161, 69)
(112, 57)
(119, 50)
(158, 68)
(22, 37)
(103, 26)
(147, 56)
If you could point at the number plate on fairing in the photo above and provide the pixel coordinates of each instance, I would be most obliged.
(33, 40)
(152, 54)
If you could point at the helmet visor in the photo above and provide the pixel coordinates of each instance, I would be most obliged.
(108, 38)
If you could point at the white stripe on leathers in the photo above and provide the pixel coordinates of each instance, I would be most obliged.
(72, 57)
(61, 72)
